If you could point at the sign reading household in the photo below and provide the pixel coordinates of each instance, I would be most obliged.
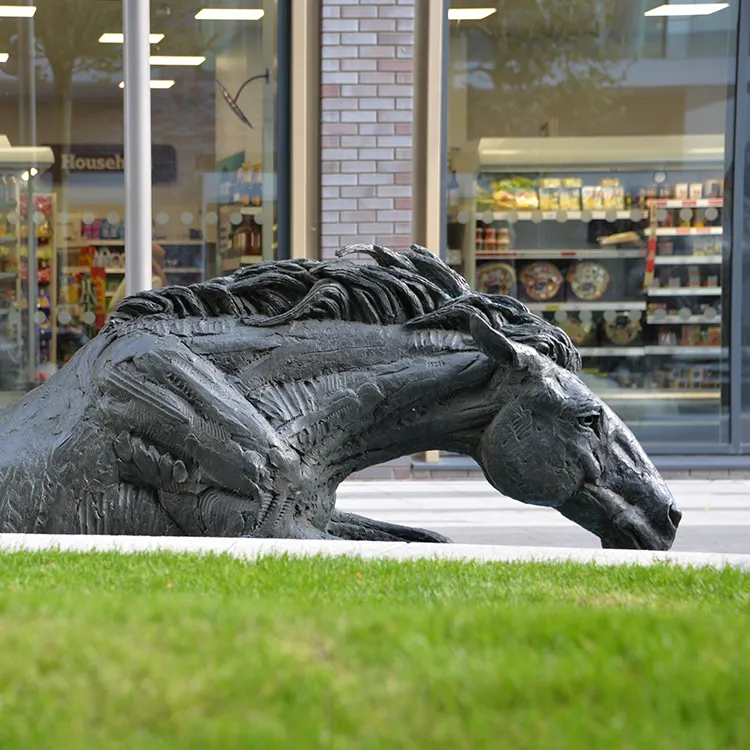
(103, 158)
(75, 163)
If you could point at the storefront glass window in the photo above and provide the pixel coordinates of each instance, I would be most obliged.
(62, 196)
(218, 210)
(586, 148)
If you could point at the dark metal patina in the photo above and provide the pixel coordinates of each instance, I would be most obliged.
(237, 406)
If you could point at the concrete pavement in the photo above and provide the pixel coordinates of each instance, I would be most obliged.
(716, 514)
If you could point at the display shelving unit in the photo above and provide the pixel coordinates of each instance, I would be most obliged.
(91, 269)
(646, 311)
(28, 271)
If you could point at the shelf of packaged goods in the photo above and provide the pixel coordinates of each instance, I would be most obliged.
(682, 231)
(687, 260)
(677, 394)
(232, 264)
(551, 254)
(678, 321)
(684, 291)
(561, 216)
(554, 306)
(121, 243)
(701, 351)
(611, 351)
(677, 203)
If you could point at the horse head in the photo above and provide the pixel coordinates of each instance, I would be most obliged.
(554, 443)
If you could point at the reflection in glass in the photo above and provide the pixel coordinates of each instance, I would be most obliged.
(219, 119)
(589, 160)
(60, 108)
(62, 208)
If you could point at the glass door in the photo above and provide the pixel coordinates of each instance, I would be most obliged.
(215, 130)
(28, 272)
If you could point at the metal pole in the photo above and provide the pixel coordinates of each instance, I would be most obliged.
(138, 231)
(735, 252)
(26, 75)
(283, 127)
(270, 195)
(27, 111)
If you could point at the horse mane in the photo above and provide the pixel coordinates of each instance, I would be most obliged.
(413, 288)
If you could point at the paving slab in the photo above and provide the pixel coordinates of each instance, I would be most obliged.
(716, 513)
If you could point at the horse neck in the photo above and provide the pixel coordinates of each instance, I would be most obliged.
(438, 402)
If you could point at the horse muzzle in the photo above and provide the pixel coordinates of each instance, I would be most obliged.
(647, 519)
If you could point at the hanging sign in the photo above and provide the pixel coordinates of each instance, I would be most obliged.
(95, 158)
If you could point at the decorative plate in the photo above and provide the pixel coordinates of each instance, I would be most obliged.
(541, 281)
(496, 278)
(588, 281)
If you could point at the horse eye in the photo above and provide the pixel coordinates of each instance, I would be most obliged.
(588, 420)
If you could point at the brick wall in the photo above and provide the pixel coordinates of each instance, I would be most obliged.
(367, 106)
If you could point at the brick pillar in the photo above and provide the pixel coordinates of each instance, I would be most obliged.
(367, 106)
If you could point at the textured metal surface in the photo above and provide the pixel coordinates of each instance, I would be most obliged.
(237, 406)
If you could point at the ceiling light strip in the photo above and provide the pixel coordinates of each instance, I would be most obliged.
(470, 14)
(177, 60)
(683, 10)
(117, 38)
(17, 11)
(155, 84)
(229, 14)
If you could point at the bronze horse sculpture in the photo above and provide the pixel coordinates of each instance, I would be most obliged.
(235, 407)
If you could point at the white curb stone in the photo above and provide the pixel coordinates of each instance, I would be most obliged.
(253, 548)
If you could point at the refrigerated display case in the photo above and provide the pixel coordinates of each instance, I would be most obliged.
(620, 242)
(28, 271)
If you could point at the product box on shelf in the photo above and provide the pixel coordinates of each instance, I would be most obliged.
(582, 331)
(570, 280)
(610, 328)
(496, 278)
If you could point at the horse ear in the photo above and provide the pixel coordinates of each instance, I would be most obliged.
(495, 345)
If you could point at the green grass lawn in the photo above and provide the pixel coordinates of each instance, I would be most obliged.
(172, 651)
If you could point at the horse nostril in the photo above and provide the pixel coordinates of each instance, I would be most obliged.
(675, 515)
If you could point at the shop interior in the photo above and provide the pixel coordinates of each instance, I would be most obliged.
(213, 95)
(587, 169)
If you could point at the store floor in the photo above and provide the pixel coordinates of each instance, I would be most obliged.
(716, 513)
